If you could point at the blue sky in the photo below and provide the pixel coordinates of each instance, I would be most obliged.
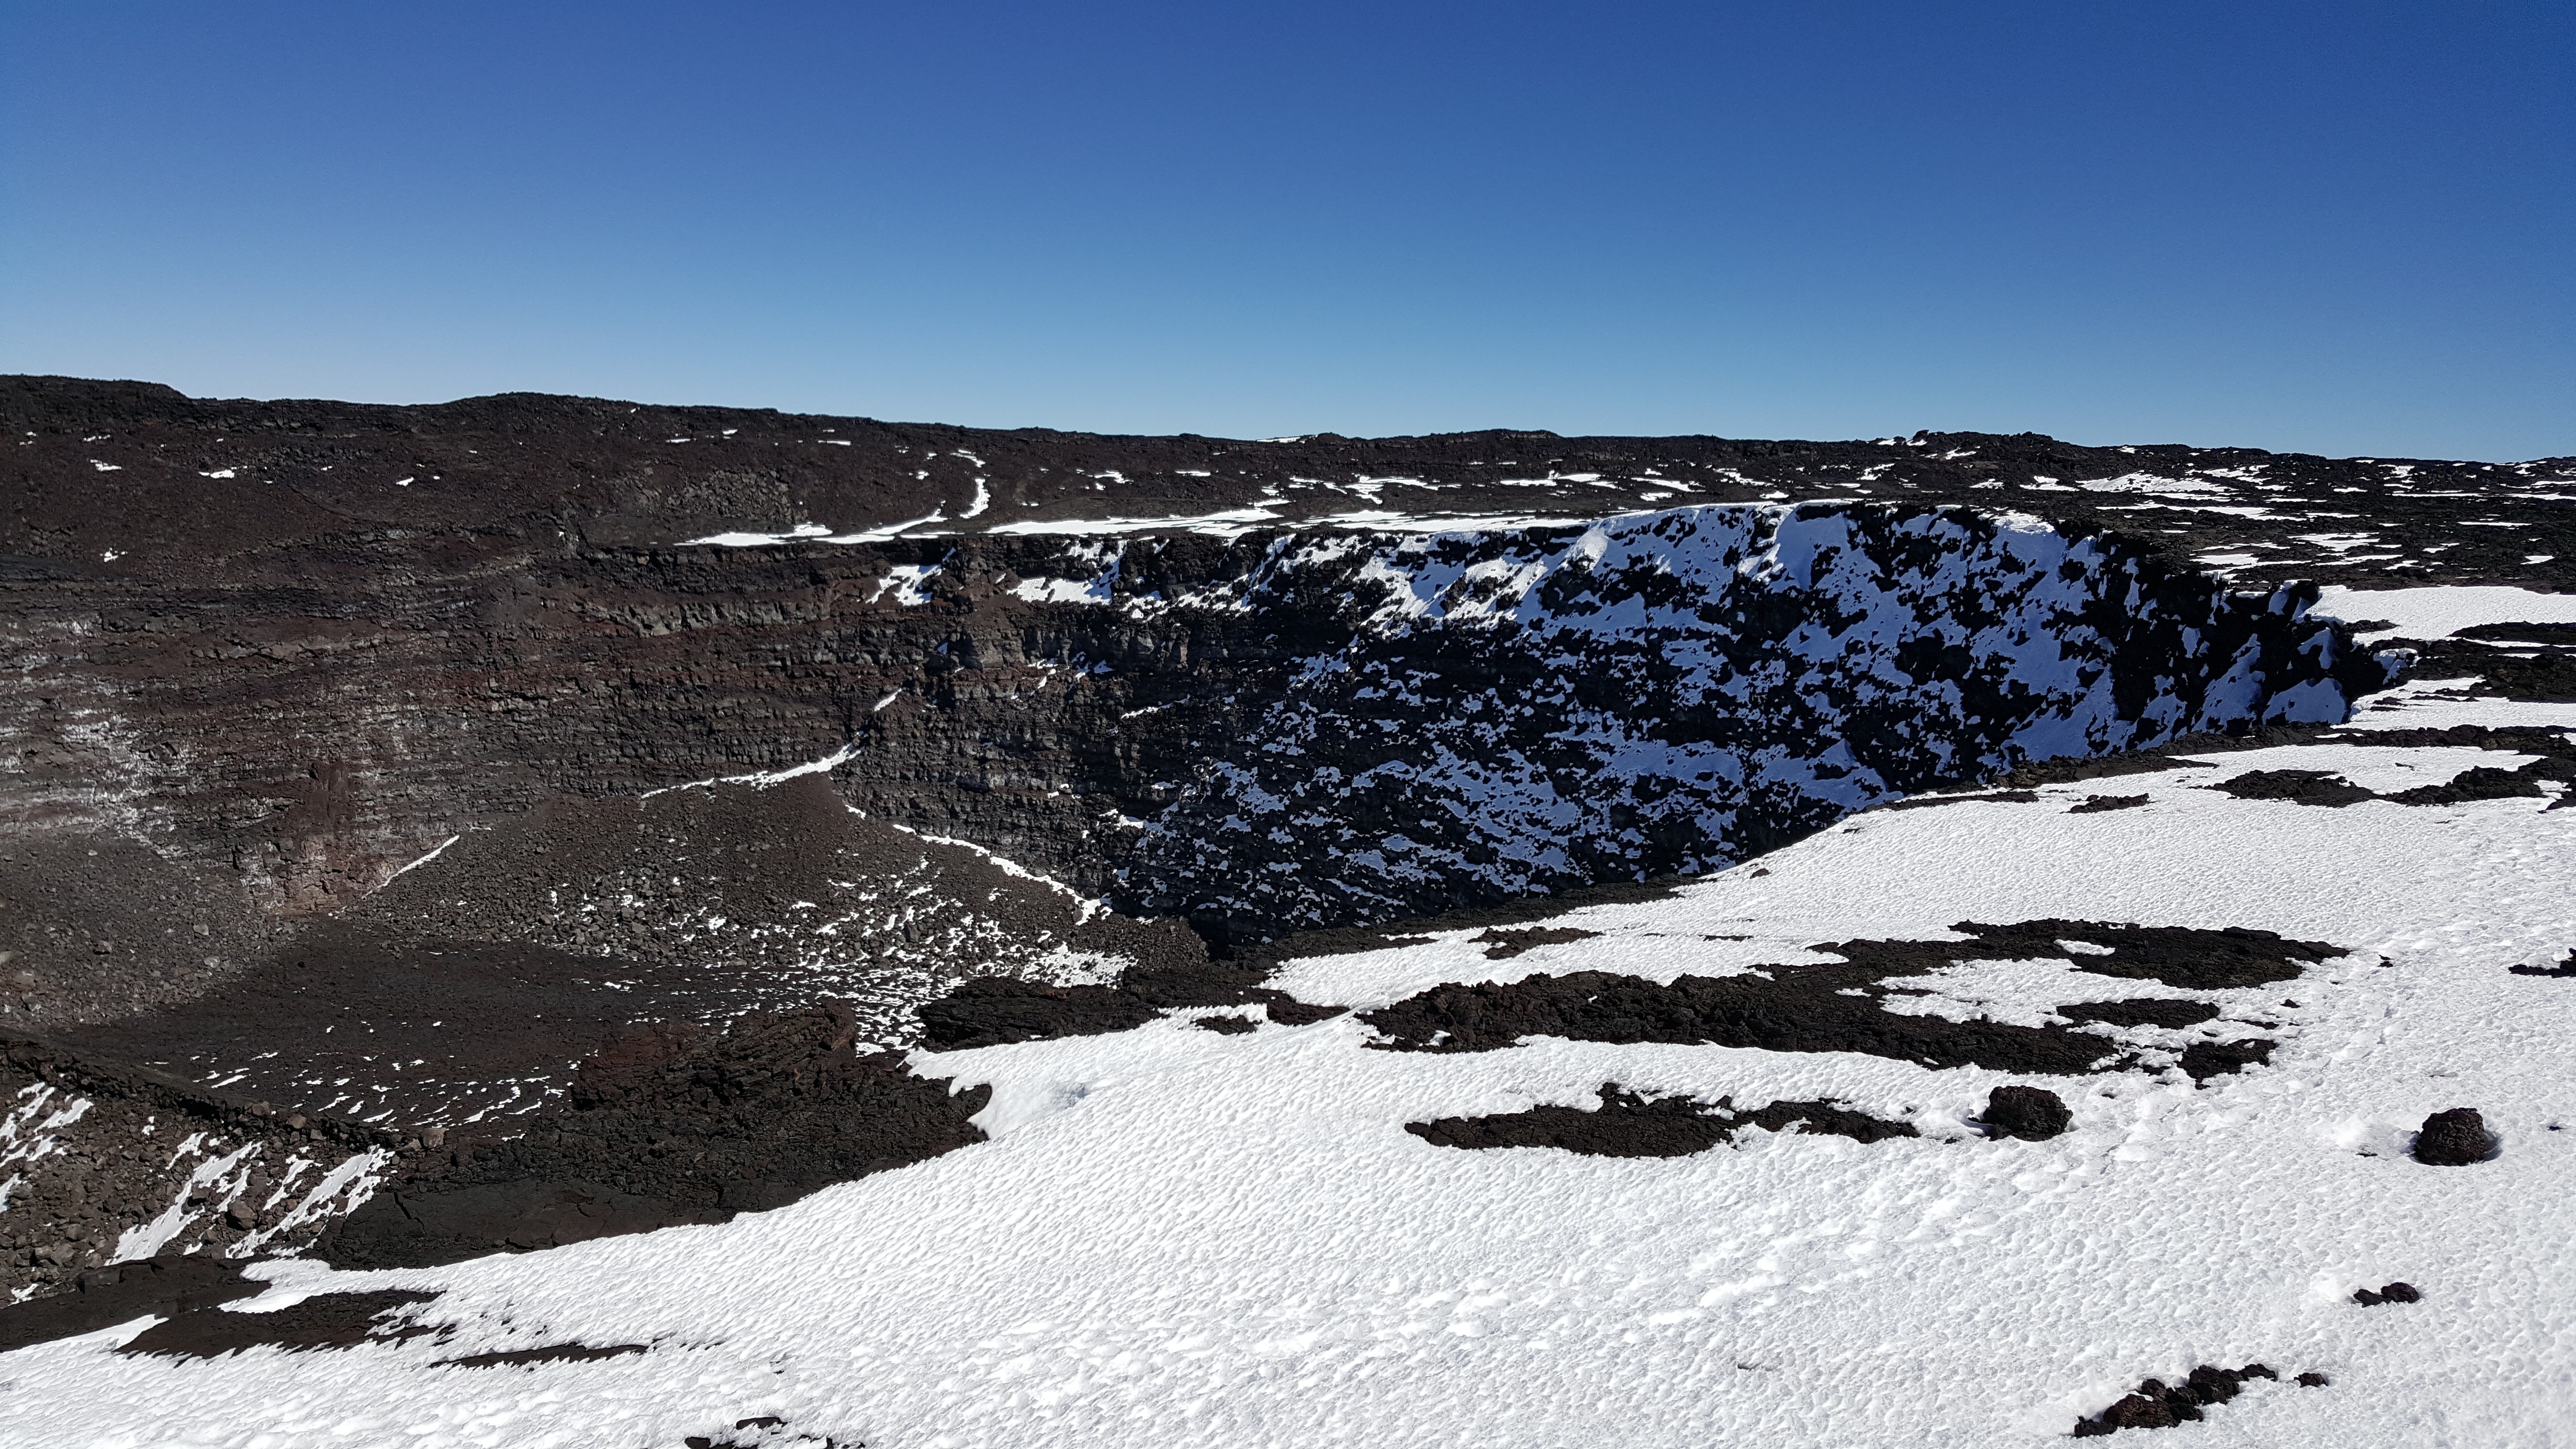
(2338, 228)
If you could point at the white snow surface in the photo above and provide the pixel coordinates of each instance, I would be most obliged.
(1178, 1238)
(758, 779)
(2437, 611)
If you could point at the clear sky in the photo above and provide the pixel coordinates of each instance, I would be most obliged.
(2346, 228)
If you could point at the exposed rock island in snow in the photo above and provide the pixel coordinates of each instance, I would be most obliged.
(544, 921)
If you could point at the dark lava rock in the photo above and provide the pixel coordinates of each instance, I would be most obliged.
(668, 1124)
(2187, 957)
(2156, 1406)
(1836, 1007)
(2566, 968)
(2479, 782)
(2546, 673)
(2301, 787)
(1797, 1008)
(2312, 1380)
(1629, 1125)
(2393, 1293)
(521, 1215)
(2521, 633)
(2033, 1114)
(536, 544)
(326, 1320)
(2096, 804)
(2141, 1011)
(70, 1205)
(993, 1011)
(168, 1286)
(2454, 1138)
(1228, 1025)
(1503, 943)
(2203, 1060)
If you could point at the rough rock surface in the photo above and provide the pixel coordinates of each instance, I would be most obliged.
(463, 991)
(667, 1124)
(1629, 1125)
(325, 1320)
(168, 1286)
(992, 1011)
(2563, 968)
(2454, 1138)
(2156, 1406)
(108, 1162)
(1851, 1007)
(2033, 1114)
(341, 724)
(472, 610)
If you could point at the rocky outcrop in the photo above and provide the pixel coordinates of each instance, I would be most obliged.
(1511, 713)
(1860, 1005)
(104, 1162)
(2154, 1405)
(1628, 1124)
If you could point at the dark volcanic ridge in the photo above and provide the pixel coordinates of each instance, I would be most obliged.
(261, 475)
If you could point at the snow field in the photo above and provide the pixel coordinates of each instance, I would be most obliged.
(2437, 611)
(1178, 1237)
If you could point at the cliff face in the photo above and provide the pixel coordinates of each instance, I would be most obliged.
(1264, 732)
(295, 646)
(1507, 713)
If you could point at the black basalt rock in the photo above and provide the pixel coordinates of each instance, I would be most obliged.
(2155, 1405)
(170, 1286)
(1627, 1124)
(2300, 787)
(2033, 1114)
(667, 1124)
(2164, 1011)
(326, 1320)
(2203, 1060)
(2566, 968)
(2454, 1138)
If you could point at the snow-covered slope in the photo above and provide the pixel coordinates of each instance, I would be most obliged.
(1185, 1236)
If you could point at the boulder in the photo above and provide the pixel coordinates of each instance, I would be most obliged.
(2033, 1114)
(2454, 1138)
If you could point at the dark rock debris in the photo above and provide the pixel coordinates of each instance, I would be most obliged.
(1627, 1124)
